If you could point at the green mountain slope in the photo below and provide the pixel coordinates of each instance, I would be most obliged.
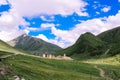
(4, 47)
(112, 37)
(87, 44)
(33, 45)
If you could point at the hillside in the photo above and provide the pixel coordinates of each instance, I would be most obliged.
(112, 37)
(88, 45)
(33, 45)
(4, 47)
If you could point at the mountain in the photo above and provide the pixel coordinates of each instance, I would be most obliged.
(112, 37)
(33, 45)
(87, 44)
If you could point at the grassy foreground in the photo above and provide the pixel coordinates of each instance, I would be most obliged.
(32, 68)
(35, 68)
(110, 65)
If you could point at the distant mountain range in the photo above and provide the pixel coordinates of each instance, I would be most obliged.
(106, 43)
(33, 45)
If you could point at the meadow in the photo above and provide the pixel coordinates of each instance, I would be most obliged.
(34, 68)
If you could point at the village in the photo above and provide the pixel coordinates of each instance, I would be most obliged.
(59, 57)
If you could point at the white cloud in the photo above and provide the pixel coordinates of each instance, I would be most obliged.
(43, 37)
(47, 25)
(65, 38)
(9, 23)
(6, 35)
(60, 43)
(106, 9)
(95, 26)
(97, 12)
(55, 41)
(43, 26)
(49, 7)
(3, 2)
(50, 19)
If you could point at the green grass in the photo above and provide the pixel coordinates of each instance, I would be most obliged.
(2, 53)
(110, 65)
(7, 48)
(32, 68)
(112, 71)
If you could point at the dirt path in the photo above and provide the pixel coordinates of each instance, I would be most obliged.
(6, 56)
(102, 73)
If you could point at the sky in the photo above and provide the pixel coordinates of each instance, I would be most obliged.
(60, 22)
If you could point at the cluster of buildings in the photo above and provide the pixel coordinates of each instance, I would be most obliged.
(50, 56)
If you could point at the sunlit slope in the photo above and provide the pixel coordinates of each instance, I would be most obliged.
(7, 48)
(32, 68)
(111, 65)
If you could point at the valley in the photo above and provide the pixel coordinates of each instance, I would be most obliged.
(94, 61)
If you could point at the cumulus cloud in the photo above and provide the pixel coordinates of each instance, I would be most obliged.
(43, 37)
(6, 36)
(47, 19)
(106, 9)
(55, 41)
(3, 2)
(65, 38)
(11, 20)
(47, 25)
(9, 25)
(49, 7)
(97, 12)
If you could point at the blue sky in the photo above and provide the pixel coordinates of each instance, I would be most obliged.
(60, 22)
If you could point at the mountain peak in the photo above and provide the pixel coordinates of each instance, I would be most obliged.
(88, 33)
(87, 43)
(24, 35)
(33, 45)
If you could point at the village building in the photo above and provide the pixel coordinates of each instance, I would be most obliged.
(59, 57)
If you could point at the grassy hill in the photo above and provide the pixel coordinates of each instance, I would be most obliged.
(112, 37)
(4, 47)
(91, 46)
(88, 45)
